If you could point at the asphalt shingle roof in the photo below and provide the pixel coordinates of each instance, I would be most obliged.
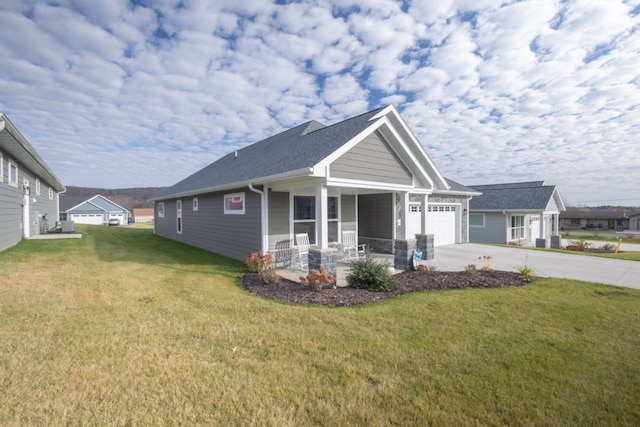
(512, 196)
(300, 147)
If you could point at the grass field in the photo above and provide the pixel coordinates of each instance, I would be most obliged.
(123, 327)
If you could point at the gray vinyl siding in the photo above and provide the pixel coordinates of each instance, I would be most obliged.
(209, 228)
(278, 218)
(375, 216)
(11, 229)
(348, 212)
(494, 230)
(371, 160)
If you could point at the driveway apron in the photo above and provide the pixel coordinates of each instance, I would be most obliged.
(546, 264)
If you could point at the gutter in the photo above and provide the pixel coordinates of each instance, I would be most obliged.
(264, 217)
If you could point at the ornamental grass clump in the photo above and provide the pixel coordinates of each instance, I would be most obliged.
(368, 274)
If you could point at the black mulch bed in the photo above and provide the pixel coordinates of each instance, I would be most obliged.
(408, 281)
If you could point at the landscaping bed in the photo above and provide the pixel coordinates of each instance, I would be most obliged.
(408, 281)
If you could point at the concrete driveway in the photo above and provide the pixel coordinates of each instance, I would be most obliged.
(546, 264)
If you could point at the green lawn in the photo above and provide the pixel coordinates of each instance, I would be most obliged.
(601, 237)
(123, 327)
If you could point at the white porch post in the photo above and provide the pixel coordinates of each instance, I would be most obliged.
(423, 215)
(556, 224)
(543, 226)
(404, 210)
(322, 217)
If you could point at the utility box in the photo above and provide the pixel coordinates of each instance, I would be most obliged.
(67, 227)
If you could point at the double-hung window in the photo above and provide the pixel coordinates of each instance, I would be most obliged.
(304, 216)
(13, 174)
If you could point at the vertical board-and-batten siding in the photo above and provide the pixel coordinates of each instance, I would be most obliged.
(209, 228)
(371, 160)
(278, 217)
(494, 230)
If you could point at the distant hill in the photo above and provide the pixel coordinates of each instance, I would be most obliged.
(128, 198)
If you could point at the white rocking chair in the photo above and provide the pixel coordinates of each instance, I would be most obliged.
(350, 246)
(302, 256)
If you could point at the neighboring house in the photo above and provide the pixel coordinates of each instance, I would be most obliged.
(515, 213)
(367, 174)
(96, 210)
(634, 222)
(606, 219)
(143, 214)
(28, 188)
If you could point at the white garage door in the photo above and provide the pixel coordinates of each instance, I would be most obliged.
(535, 228)
(94, 219)
(441, 222)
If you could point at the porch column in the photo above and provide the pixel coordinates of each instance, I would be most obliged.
(542, 226)
(402, 210)
(423, 215)
(322, 217)
(556, 224)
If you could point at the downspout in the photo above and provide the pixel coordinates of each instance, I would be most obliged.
(506, 228)
(264, 217)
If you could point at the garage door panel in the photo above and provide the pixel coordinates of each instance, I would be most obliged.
(440, 221)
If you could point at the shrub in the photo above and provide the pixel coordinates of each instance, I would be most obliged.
(471, 270)
(318, 279)
(263, 265)
(368, 274)
(427, 269)
(577, 245)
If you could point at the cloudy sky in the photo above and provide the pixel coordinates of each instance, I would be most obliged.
(118, 93)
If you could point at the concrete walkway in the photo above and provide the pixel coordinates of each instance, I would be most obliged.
(546, 264)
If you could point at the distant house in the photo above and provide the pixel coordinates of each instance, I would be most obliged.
(634, 221)
(96, 210)
(605, 219)
(367, 174)
(143, 214)
(515, 213)
(28, 188)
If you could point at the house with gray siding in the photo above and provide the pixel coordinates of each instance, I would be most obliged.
(28, 188)
(95, 210)
(367, 174)
(515, 213)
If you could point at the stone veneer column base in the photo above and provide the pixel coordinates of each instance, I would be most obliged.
(556, 242)
(327, 258)
(425, 243)
(403, 254)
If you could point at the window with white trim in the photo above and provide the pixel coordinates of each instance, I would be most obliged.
(517, 227)
(13, 174)
(476, 220)
(37, 187)
(304, 216)
(234, 204)
(195, 203)
(332, 213)
(161, 210)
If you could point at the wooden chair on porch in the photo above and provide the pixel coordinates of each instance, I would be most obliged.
(350, 246)
(302, 253)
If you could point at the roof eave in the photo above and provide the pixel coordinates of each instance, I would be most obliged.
(261, 180)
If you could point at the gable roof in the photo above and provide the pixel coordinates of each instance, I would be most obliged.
(516, 196)
(304, 150)
(15, 145)
(91, 204)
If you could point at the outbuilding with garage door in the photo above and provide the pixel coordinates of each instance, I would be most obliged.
(96, 210)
